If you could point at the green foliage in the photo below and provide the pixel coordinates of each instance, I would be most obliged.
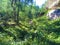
(33, 29)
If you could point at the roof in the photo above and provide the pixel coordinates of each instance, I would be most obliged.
(52, 3)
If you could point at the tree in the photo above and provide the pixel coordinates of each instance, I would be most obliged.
(17, 6)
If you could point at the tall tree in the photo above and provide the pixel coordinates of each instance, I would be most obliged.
(17, 5)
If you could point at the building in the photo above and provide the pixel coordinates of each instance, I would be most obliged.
(53, 7)
(52, 4)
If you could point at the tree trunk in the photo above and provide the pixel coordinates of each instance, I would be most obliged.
(17, 16)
